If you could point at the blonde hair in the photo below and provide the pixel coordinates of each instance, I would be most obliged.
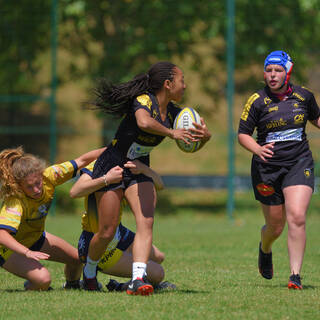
(15, 165)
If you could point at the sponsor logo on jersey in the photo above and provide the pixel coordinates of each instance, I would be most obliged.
(298, 96)
(307, 172)
(275, 108)
(265, 190)
(246, 109)
(286, 135)
(299, 118)
(276, 123)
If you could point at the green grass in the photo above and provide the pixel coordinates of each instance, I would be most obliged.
(211, 258)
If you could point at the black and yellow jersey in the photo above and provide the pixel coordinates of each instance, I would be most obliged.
(135, 143)
(282, 122)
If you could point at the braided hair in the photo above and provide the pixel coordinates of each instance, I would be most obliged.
(116, 100)
(15, 165)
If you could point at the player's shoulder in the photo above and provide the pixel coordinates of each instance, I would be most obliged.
(145, 100)
(301, 92)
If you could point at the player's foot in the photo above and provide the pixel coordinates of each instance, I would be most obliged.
(76, 284)
(295, 282)
(140, 286)
(91, 284)
(265, 264)
(114, 285)
(165, 285)
(27, 284)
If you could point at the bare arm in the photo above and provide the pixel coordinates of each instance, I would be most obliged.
(148, 124)
(137, 167)
(88, 157)
(86, 185)
(7, 240)
(263, 152)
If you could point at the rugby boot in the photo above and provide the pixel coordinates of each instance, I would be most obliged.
(140, 286)
(295, 282)
(265, 264)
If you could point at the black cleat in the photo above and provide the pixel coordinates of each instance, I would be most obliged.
(114, 285)
(265, 264)
(91, 284)
(76, 284)
(165, 285)
(140, 286)
(295, 282)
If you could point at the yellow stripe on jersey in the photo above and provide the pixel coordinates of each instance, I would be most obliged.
(246, 109)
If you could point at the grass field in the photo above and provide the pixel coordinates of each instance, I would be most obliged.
(210, 257)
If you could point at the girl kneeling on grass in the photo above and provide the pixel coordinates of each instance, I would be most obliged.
(27, 190)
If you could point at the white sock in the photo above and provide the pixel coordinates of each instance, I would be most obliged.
(90, 269)
(138, 270)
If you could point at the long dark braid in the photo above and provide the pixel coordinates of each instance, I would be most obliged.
(117, 99)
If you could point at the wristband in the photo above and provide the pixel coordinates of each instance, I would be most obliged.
(105, 179)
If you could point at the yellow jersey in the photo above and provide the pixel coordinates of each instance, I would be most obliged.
(24, 217)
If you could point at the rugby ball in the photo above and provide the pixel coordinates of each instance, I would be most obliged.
(184, 120)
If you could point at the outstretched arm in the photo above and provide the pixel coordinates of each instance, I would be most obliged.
(137, 167)
(88, 157)
(86, 185)
(7, 240)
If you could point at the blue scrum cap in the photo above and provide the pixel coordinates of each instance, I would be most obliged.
(280, 58)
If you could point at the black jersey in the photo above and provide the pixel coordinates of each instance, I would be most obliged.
(282, 122)
(130, 140)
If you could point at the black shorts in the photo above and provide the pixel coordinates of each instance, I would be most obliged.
(268, 181)
(110, 158)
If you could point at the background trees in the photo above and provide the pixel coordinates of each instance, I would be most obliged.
(118, 39)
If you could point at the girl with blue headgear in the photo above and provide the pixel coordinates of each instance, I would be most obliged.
(282, 168)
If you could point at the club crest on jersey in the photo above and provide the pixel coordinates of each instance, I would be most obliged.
(267, 100)
(265, 190)
(307, 173)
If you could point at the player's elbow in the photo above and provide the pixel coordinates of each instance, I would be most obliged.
(73, 194)
(143, 123)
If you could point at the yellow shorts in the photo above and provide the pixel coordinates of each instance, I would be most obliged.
(110, 258)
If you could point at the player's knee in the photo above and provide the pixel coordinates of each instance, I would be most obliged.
(159, 275)
(155, 272)
(43, 280)
(106, 234)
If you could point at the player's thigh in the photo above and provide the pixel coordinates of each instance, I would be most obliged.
(274, 215)
(123, 268)
(108, 204)
(142, 199)
(60, 250)
(24, 267)
(297, 201)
